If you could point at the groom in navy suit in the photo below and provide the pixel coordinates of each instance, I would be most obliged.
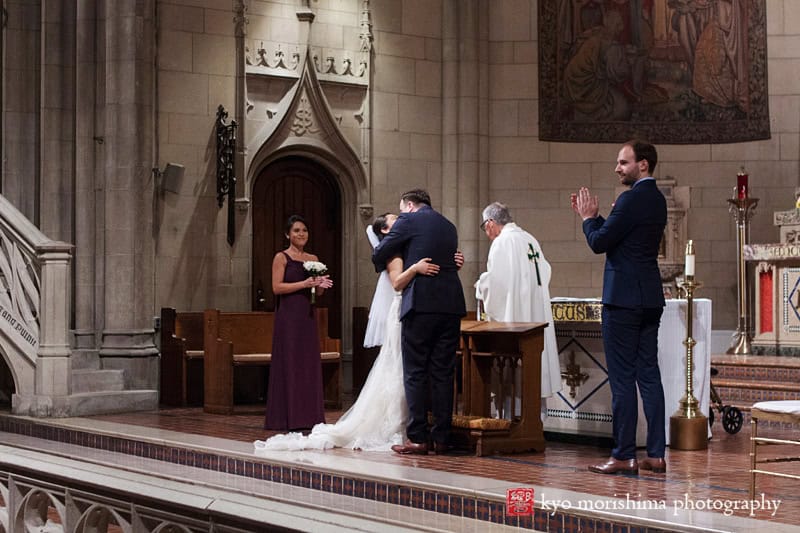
(430, 313)
(633, 301)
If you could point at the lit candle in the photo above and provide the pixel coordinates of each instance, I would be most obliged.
(689, 270)
(741, 184)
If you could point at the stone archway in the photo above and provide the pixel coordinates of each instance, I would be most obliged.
(297, 185)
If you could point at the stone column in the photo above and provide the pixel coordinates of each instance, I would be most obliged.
(465, 125)
(52, 369)
(128, 335)
(53, 364)
(88, 202)
(21, 91)
(56, 153)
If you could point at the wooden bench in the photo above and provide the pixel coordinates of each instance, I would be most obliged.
(245, 339)
(181, 358)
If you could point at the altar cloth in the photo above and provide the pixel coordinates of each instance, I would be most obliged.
(583, 407)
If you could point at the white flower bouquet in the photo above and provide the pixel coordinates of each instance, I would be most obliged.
(314, 269)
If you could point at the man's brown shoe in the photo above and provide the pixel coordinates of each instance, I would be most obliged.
(656, 464)
(616, 466)
(411, 448)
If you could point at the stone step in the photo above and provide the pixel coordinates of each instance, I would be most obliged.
(85, 360)
(97, 380)
(746, 392)
(757, 368)
(96, 403)
(770, 374)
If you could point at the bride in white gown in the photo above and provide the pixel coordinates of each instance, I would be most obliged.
(378, 418)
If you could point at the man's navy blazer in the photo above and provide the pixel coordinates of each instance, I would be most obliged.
(630, 237)
(425, 233)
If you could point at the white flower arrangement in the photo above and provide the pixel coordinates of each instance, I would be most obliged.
(314, 269)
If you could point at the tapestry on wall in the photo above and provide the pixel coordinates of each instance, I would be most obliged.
(670, 71)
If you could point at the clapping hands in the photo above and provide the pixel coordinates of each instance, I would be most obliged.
(584, 204)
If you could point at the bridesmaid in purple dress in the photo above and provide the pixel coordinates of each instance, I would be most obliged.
(295, 394)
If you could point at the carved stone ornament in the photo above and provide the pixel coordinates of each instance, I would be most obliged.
(366, 211)
(303, 122)
(782, 218)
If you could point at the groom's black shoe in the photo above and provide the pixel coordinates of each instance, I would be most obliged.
(411, 448)
(449, 449)
(440, 448)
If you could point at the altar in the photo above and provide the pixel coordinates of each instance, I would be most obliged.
(777, 288)
(583, 407)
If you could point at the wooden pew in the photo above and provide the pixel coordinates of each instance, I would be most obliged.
(242, 339)
(181, 358)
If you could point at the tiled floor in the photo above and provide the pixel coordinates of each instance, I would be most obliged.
(706, 479)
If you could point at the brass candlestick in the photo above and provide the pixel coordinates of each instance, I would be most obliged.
(688, 427)
(742, 210)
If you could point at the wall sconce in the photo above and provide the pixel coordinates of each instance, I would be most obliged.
(170, 179)
(226, 169)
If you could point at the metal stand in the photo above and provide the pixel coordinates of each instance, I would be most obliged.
(688, 427)
(742, 210)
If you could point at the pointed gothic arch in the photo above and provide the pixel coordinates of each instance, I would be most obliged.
(301, 146)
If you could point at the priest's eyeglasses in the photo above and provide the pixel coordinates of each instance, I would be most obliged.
(483, 224)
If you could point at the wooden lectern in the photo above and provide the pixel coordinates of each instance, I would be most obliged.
(483, 341)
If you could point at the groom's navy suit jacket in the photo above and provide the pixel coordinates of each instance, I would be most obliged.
(630, 238)
(425, 233)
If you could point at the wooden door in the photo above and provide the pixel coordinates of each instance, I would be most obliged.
(297, 185)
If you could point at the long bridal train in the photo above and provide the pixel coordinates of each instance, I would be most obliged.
(378, 418)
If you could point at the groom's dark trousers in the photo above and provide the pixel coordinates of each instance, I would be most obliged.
(431, 312)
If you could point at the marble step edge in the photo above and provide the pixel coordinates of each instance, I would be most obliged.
(763, 361)
(203, 499)
(729, 383)
(741, 399)
(490, 491)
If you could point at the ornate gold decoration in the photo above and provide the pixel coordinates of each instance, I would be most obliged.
(688, 427)
(573, 376)
(578, 311)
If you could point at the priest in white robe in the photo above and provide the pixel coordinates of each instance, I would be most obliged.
(516, 285)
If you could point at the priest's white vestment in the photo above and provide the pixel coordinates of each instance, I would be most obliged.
(513, 291)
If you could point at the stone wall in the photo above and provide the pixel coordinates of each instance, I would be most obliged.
(455, 109)
(535, 178)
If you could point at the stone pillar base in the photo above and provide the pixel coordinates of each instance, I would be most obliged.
(84, 404)
(135, 352)
(40, 406)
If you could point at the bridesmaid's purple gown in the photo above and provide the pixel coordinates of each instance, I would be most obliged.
(295, 394)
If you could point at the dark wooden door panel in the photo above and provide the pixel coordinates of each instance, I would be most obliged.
(299, 186)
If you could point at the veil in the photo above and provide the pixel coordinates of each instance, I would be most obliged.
(381, 300)
(373, 239)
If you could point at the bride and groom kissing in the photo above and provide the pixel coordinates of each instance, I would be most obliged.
(414, 372)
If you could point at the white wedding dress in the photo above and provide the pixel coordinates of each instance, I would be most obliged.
(381, 301)
(378, 418)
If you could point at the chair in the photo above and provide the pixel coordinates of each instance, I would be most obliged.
(785, 412)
